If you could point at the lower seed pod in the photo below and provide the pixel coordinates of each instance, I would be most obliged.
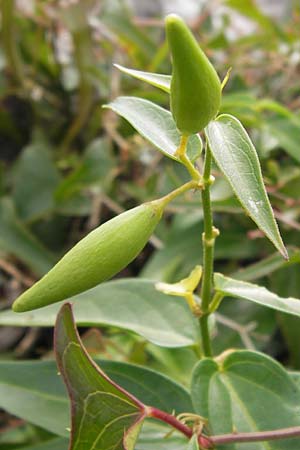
(96, 258)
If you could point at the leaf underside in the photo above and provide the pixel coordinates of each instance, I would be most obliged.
(158, 80)
(257, 294)
(104, 416)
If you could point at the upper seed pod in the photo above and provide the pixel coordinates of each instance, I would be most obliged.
(195, 85)
(97, 257)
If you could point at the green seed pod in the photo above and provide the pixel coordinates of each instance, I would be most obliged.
(97, 257)
(195, 85)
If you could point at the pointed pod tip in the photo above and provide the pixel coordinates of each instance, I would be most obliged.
(173, 19)
(15, 307)
(23, 304)
(18, 306)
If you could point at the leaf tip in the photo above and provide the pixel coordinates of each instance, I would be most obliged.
(284, 253)
(118, 66)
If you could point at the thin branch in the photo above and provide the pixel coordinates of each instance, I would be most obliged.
(259, 436)
(204, 442)
(208, 442)
(243, 331)
(15, 273)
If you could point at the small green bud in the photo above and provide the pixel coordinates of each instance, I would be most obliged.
(195, 85)
(97, 257)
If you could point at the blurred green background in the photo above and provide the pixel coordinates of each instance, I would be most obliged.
(67, 165)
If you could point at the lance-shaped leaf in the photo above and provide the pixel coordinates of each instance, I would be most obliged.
(155, 124)
(158, 80)
(257, 294)
(104, 416)
(159, 318)
(237, 159)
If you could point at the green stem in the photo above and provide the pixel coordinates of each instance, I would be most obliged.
(215, 303)
(83, 110)
(181, 154)
(208, 238)
(9, 41)
(84, 60)
(184, 188)
(206, 342)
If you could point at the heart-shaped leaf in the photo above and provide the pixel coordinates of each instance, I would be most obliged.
(104, 416)
(246, 391)
(257, 294)
(155, 124)
(237, 159)
(158, 80)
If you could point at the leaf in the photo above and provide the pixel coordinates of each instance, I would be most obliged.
(33, 391)
(152, 388)
(287, 283)
(161, 319)
(177, 363)
(104, 416)
(117, 17)
(16, 239)
(95, 169)
(155, 124)
(246, 391)
(286, 132)
(155, 79)
(36, 179)
(193, 444)
(243, 325)
(156, 436)
(267, 265)
(257, 294)
(153, 435)
(237, 159)
(251, 10)
(51, 444)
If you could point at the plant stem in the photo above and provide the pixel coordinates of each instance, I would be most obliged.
(84, 60)
(181, 154)
(208, 442)
(204, 441)
(215, 303)
(185, 187)
(208, 239)
(9, 41)
(283, 433)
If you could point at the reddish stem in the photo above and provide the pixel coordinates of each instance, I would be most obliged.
(283, 433)
(204, 441)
